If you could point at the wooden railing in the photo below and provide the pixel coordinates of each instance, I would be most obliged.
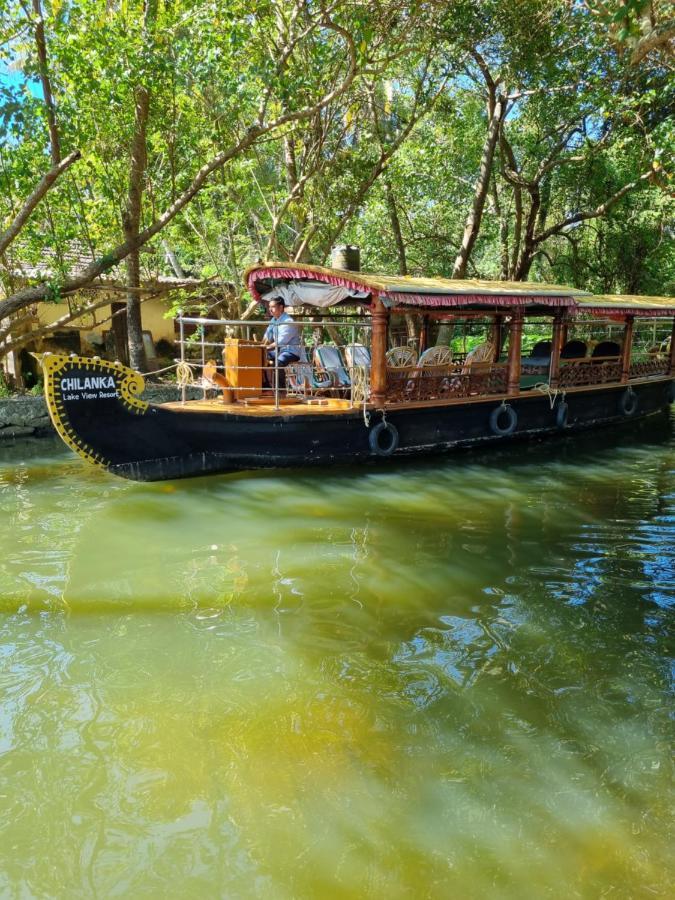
(412, 383)
(646, 367)
(447, 382)
(578, 372)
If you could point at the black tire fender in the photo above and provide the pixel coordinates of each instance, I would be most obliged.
(499, 414)
(628, 403)
(562, 415)
(383, 439)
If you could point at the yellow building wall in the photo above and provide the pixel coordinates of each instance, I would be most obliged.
(152, 312)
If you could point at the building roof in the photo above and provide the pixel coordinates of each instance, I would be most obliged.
(75, 259)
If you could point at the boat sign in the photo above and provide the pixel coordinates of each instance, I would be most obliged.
(99, 387)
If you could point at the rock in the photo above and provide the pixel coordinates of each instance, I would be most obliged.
(164, 393)
(38, 422)
(15, 431)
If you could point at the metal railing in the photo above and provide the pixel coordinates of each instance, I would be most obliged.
(354, 391)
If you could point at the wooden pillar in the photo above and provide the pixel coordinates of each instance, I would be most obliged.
(559, 329)
(515, 342)
(626, 349)
(378, 352)
(118, 326)
(671, 365)
(424, 334)
(498, 337)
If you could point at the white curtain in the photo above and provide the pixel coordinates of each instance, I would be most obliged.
(308, 293)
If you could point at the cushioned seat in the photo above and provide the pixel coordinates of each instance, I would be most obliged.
(605, 349)
(329, 360)
(574, 350)
(541, 350)
(357, 355)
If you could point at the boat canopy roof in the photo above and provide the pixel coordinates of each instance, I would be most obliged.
(302, 284)
(627, 304)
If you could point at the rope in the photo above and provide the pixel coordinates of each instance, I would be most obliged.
(184, 374)
(545, 388)
(159, 371)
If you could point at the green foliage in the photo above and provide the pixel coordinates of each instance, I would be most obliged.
(211, 67)
(54, 288)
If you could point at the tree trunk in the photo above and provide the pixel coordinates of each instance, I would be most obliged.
(509, 159)
(396, 227)
(172, 259)
(46, 84)
(132, 219)
(400, 249)
(503, 231)
(118, 326)
(472, 227)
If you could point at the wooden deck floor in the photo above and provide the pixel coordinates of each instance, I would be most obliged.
(264, 408)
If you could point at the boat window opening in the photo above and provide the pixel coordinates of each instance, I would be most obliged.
(536, 353)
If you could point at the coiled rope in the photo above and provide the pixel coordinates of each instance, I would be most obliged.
(545, 388)
(184, 374)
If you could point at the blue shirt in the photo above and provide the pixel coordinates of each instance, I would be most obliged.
(286, 335)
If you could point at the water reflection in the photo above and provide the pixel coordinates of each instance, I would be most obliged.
(440, 679)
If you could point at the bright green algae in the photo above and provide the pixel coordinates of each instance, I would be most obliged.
(439, 679)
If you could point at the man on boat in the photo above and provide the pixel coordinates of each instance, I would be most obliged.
(282, 339)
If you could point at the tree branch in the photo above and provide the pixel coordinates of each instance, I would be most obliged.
(662, 37)
(121, 251)
(378, 168)
(600, 210)
(46, 183)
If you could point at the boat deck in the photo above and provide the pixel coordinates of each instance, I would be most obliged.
(263, 407)
(291, 406)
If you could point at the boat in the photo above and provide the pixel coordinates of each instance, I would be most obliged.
(396, 367)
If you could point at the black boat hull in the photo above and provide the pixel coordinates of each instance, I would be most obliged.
(95, 408)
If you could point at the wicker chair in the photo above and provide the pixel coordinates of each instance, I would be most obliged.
(302, 380)
(401, 357)
(483, 353)
(435, 356)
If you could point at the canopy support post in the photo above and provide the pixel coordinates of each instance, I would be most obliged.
(556, 347)
(626, 349)
(671, 366)
(378, 351)
(515, 346)
(498, 337)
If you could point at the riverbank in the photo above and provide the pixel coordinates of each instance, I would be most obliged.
(27, 416)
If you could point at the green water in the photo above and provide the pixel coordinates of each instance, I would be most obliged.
(450, 679)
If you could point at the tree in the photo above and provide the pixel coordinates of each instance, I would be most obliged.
(253, 82)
